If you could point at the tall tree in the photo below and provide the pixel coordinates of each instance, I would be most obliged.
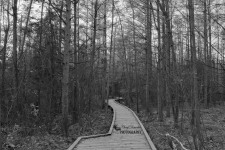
(110, 52)
(148, 56)
(104, 94)
(210, 53)
(6, 32)
(15, 66)
(60, 24)
(92, 60)
(40, 49)
(114, 63)
(125, 63)
(195, 112)
(75, 60)
(23, 56)
(167, 43)
(65, 78)
(135, 56)
(1, 12)
(205, 54)
(3, 74)
(159, 88)
(26, 27)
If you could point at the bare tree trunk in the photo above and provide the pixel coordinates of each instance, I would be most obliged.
(217, 62)
(135, 67)
(25, 31)
(52, 68)
(91, 78)
(125, 62)
(187, 37)
(159, 88)
(113, 63)
(40, 50)
(171, 68)
(65, 78)
(205, 55)
(1, 13)
(164, 6)
(15, 67)
(110, 53)
(104, 94)
(79, 66)
(149, 58)
(135, 57)
(23, 57)
(2, 100)
(195, 112)
(75, 60)
(181, 51)
(199, 44)
(20, 35)
(87, 21)
(6, 30)
(163, 53)
(188, 46)
(60, 25)
(210, 55)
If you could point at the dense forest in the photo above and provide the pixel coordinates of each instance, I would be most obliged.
(61, 60)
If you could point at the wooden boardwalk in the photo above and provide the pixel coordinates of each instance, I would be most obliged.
(126, 133)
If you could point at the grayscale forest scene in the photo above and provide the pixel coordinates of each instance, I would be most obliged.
(112, 74)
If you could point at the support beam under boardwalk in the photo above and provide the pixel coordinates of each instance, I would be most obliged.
(127, 132)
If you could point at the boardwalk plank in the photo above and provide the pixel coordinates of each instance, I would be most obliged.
(129, 134)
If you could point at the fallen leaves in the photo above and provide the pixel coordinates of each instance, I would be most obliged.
(97, 122)
(212, 126)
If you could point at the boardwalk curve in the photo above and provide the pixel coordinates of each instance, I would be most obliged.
(126, 133)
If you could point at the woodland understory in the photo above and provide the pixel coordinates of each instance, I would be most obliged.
(39, 136)
(60, 61)
(167, 137)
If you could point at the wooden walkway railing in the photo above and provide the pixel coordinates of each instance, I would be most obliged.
(126, 133)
